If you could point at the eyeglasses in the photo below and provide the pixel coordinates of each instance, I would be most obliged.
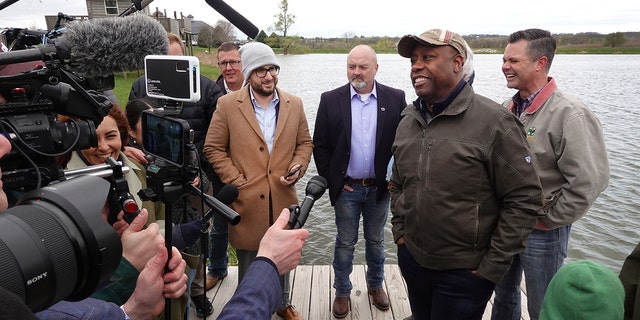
(273, 71)
(232, 63)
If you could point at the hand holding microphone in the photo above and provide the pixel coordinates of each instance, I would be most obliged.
(299, 214)
(282, 246)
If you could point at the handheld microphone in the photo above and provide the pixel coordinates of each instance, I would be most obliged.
(100, 47)
(315, 189)
(234, 17)
(226, 195)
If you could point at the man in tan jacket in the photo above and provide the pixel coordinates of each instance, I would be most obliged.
(256, 136)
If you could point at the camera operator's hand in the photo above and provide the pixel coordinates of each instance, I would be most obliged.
(5, 147)
(281, 245)
(196, 181)
(135, 154)
(139, 244)
(120, 225)
(153, 286)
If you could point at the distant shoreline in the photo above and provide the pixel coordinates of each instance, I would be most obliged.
(559, 50)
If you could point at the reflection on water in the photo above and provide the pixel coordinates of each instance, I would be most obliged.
(607, 83)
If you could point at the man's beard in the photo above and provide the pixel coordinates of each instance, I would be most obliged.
(259, 89)
(358, 84)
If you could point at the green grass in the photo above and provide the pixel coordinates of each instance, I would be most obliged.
(123, 82)
(233, 257)
(598, 50)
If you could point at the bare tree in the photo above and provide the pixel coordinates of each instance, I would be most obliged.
(206, 37)
(349, 39)
(224, 31)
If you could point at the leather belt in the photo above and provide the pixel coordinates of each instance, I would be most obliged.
(365, 182)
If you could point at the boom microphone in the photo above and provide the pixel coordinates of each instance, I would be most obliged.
(7, 3)
(100, 47)
(226, 195)
(136, 6)
(234, 17)
(315, 189)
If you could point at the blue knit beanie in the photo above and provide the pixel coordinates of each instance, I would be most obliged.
(255, 55)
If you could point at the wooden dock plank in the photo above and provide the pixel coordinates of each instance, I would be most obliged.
(301, 284)
(359, 299)
(221, 293)
(321, 293)
(312, 294)
(397, 291)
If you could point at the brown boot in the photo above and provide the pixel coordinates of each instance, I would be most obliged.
(340, 307)
(289, 313)
(380, 299)
(212, 281)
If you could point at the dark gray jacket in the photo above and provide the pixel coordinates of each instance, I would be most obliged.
(464, 193)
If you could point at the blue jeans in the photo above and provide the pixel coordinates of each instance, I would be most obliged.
(443, 294)
(191, 277)
(543, 255)
(348, 208)
(218, 257)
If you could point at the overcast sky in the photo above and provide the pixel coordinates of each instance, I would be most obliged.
(335, 18)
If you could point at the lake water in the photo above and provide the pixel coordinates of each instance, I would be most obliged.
(608, 84)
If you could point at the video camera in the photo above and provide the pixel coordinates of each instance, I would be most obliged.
(49, 111)
(36, 90)
(29, 119)
(54, 244)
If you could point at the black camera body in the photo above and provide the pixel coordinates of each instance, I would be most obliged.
(28, 118)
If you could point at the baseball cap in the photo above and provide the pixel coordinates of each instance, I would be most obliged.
(433, 37)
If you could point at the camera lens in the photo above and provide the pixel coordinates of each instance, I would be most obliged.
(55, 246)
(65, 134)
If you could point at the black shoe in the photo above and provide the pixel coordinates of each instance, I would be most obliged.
(203, 305)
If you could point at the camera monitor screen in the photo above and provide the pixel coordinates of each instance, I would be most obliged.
(172, 77)
(165, 137)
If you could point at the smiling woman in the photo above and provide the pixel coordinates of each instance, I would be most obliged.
(112, 134)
